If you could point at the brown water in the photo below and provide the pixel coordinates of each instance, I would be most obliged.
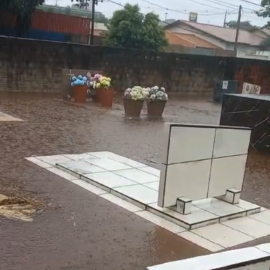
(79, 230)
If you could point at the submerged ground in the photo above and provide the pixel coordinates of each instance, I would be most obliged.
(74, 229)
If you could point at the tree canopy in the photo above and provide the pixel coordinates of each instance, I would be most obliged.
(244, 25)
(22, 9)
(128, 28)
(265, 11)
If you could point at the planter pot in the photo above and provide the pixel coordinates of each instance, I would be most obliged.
(106, 97)
(155, 108)
(132, 107)
(96, 96)
(80, 93)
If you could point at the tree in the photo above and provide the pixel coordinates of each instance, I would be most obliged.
(245, 25)
(128, 28)
(23, 10)
(82, 4)
(265, 11)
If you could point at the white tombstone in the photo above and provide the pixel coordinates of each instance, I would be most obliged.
(202, 161)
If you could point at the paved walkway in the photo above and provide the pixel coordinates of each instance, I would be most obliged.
(76, 230)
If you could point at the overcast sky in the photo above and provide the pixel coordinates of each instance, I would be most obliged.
(209, 11)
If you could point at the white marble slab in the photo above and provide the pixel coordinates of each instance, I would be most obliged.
(138, 176)
(135, 189)
(109, 179)
(79, 167)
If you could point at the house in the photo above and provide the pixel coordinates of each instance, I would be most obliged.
(188, 40)
(211, 36)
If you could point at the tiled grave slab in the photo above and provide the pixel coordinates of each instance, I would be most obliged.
(63, 174)
(170, 226)
(200, 241)
(108, 179)
(151, 170)
(264, 217)
(128, 162)
(223, 235)
(89, 187)
(250, 207)
(178, 175)
(138, 176)
(247, 226)
(79, 167)
(102, 154)
(108, 164)
(139, 193)
(222, 209)
(197, 218)
(124, 160)
(193, 137)
(153, 185)
(52, 160)
(79, 156)
(39, 162)
(120, 202)
(223, 178)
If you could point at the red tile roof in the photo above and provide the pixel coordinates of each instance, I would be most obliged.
(188, 40)
(225, 34)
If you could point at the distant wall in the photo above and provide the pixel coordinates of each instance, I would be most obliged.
(37, 66)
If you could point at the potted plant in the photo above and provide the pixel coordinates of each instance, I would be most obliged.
(105, 92)
(133, 100)
(80, 88)
(95, 87)
(156, 101)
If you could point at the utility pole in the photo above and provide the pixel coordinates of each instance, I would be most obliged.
(83, 4)
(94, 2)
(225, 19)
(237, 30)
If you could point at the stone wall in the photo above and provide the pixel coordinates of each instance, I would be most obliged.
(37, 66)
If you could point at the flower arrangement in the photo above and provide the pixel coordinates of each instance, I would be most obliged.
(78, 80)
(157, 93)
(136, 93)
(100, 81)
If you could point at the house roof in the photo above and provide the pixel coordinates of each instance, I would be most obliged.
(99, 28)
(221, 33)
(266, 31)
(188, 40)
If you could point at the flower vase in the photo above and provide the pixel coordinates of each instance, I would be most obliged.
(106, 97)
(155, 108)
(132, 107)
(80, 93)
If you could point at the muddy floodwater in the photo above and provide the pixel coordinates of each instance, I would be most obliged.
(75, 229)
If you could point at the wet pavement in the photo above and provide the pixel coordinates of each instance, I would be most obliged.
(75, 229)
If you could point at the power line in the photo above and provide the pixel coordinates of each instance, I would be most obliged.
(225, 4)
(166, 23)
(182, 12)
(252, 3)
